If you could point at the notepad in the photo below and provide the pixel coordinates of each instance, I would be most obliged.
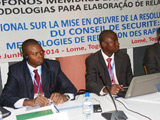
(34, 114)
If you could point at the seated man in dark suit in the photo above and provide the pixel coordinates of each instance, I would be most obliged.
(0, 82)
(152, 56)
(109, 63)
(35, 80)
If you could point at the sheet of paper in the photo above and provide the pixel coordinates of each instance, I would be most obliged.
(37, 114)
(50, 107)
(56, 116)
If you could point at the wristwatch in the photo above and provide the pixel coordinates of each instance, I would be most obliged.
(67, 96)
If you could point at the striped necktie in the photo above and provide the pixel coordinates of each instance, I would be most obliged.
(110, 70)
(37, 83)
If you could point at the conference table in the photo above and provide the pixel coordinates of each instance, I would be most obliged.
(146, 107)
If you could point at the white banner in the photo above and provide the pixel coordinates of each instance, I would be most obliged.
(71, 27)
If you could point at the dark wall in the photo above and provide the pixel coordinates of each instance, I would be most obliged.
(138, 54)
(123, 50)
(0, 82)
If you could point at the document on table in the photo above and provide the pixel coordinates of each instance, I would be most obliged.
(56, 116)
(37, 114)
(47, 113)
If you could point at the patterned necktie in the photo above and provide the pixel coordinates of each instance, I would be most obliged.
(110, 70)
(37, 84)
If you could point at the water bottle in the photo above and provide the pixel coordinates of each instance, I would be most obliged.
(87, 107)
(1, 116)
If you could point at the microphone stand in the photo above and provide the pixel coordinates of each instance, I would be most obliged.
(116, 114)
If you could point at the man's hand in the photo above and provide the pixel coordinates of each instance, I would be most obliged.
(57, 98)
(114, 89)
(39, 100)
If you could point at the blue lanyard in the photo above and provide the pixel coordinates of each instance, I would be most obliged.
(38, 86)
(111, 73)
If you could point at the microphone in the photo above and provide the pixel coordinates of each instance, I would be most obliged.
(116, 114)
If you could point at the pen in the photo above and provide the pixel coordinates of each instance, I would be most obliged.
(125, 87)
(53, 105)
(56, 108)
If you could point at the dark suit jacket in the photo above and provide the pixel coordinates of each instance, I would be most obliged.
(152, 58)
(20, 85)
(96, 65)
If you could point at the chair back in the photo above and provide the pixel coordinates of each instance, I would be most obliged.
(145, 69)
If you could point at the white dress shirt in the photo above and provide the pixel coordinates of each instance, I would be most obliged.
(105, 57)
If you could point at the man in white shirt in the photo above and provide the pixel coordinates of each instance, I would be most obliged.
(110, 64)
(35, 80)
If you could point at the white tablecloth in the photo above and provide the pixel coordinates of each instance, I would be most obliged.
(147, 105)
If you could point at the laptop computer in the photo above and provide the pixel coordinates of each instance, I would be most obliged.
(141, 85)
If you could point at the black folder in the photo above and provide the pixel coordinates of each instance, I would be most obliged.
(5, 112)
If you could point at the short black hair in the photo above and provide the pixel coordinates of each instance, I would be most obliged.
(28, 42)
(105, 34)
